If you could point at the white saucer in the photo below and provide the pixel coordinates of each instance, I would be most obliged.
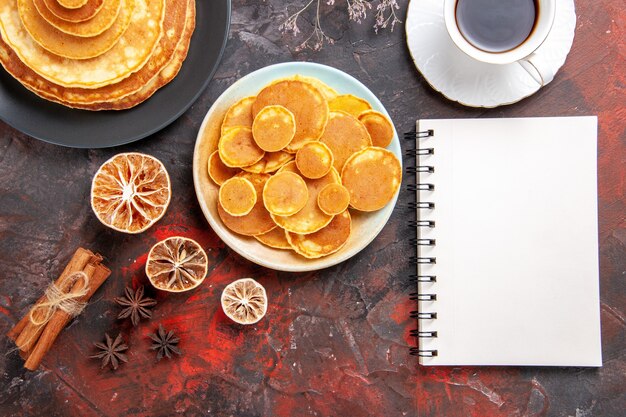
(474, 83)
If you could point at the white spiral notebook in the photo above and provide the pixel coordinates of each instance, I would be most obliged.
(507, 242)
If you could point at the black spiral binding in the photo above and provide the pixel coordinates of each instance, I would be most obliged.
(415, 242)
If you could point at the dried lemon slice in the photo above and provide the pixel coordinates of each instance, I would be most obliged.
(244, 301)
(177, 264)
(378, 126)
(237, 196)
(333, 199)
(273, 128)
(130, 192)
(314, 160)
(350, 104)
(285, 194)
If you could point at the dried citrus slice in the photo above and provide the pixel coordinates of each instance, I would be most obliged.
(314, 160)
(372, 176)
(256, 222)
(333, 199)
(272, 161)
(244, 301)
(238, 149)
(275, 238)
(273, 128)
(219, 172)
(325, 241)
(177, 264)
(307, 104)
(350, 104)
(285, 194)
(344, 135)
(237, 196)
(239, 114)
(378, 126)
(130, 192)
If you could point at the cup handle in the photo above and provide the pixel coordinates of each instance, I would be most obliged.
(537, 68)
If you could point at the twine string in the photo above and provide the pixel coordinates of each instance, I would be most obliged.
(57, 299)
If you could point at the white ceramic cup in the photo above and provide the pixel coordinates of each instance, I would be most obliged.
(524, 54)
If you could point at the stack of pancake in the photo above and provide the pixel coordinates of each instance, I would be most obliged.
(291, 161)
(95, 54)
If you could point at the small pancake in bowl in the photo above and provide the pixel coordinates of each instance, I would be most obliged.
(271, 162)
(344, 135)
(239, 114)
(275, 238)
(307, 104)
(258, 221)
(372, 176)
(325, 241)
(310, 219)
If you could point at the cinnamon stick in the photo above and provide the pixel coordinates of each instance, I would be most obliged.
(60, 319)
(77, 263)
(31, 332)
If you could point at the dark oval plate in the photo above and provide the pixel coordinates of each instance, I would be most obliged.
(62, 125)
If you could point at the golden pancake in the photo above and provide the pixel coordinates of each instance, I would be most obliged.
(350, 104)
(378, 126)
(239, 114)
(167, 74)
(237, 196)
(325, 241)
(238, 149)
(127, 55)
(102, 21)
(85, 12)
(219, 172)
(310, 219)
(314, 160)
(372, 176)
(285, 194)
(275, 238)
(307, 104)
(178, 27)
(344, 135)
(258, 221)
(75, 45)
(273, 128)
(72, 4)
(328, 92)
(333, 199)
(272, 161)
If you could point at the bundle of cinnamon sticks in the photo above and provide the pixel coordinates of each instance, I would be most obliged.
(39, 328)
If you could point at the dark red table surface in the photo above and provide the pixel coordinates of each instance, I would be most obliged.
(334, 342)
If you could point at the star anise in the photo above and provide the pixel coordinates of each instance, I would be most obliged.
(111, 351)
(164, 343)
(137, 306)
